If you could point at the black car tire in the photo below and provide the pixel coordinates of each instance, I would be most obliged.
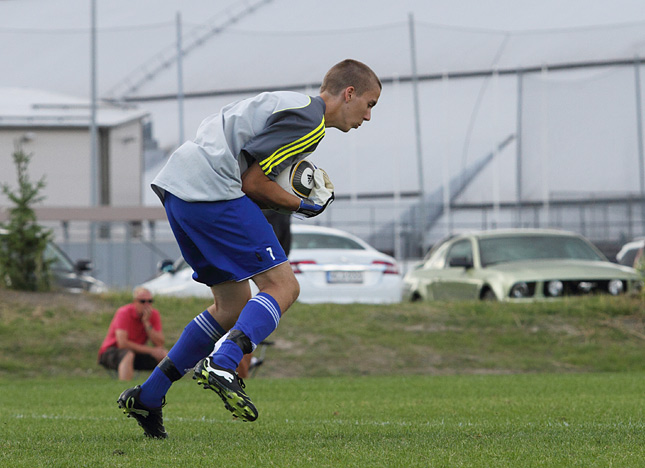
(489, 295)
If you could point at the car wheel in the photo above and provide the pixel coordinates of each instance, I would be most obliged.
(489, 295)
(416, 297)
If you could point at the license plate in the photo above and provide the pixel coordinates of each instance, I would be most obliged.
(344, 276)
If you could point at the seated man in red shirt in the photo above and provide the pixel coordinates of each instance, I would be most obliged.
(125, 346)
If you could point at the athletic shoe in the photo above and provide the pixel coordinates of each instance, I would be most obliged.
(150, 419)
(229, 386)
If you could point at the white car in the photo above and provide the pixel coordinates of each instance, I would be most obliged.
(335, 266)
(630, 253)
(176, 279)
(331, 266)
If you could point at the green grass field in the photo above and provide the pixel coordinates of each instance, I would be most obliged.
(531, 420)
(429, 385)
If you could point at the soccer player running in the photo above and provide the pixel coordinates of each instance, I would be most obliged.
(213, 189)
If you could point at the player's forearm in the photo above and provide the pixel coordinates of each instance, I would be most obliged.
(265, 192)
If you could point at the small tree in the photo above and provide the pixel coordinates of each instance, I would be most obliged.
(22, 262)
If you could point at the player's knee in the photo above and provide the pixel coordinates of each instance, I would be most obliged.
(286, 292)
(294, 290)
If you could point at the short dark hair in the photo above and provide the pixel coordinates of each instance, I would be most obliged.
(350, 72)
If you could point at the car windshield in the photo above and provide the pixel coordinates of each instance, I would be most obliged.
(59, 260)
(517, 248)
(323, 241)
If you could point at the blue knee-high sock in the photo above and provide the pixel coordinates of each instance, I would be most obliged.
(258, 319)
(195, 342)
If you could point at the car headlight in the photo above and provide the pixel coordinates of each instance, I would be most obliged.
(520, 290)
(615, 287)
(555, 288)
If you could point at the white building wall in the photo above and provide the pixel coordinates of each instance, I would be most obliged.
(126, 164)
(61, 155)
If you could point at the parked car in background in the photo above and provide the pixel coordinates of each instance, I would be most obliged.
(176, 279)
(72, 276)
(631, 254)
(335, 266)
(331, 266)
(67, 275)
(516, 265)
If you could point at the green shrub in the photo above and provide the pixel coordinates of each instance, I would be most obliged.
(22, 263)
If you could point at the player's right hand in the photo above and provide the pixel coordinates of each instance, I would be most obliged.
(309, 209)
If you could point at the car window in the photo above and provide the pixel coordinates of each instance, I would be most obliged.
(323, 241)
(460, 249)
(60, 261)
(441, 245)
(539, 247)
(437, 257)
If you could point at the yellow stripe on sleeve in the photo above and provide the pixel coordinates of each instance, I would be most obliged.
(292, 148)
(297, 150)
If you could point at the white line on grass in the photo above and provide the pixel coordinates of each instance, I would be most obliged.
(341, 422)
(211, 421)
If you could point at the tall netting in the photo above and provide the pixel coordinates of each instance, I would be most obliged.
(579, 134)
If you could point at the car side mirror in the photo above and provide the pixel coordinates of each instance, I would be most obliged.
(461, 262)
(166, 266)
(83, 265)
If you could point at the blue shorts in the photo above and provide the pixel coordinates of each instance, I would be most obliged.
(227, 240)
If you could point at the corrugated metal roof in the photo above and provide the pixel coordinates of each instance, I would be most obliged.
(21, 107)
